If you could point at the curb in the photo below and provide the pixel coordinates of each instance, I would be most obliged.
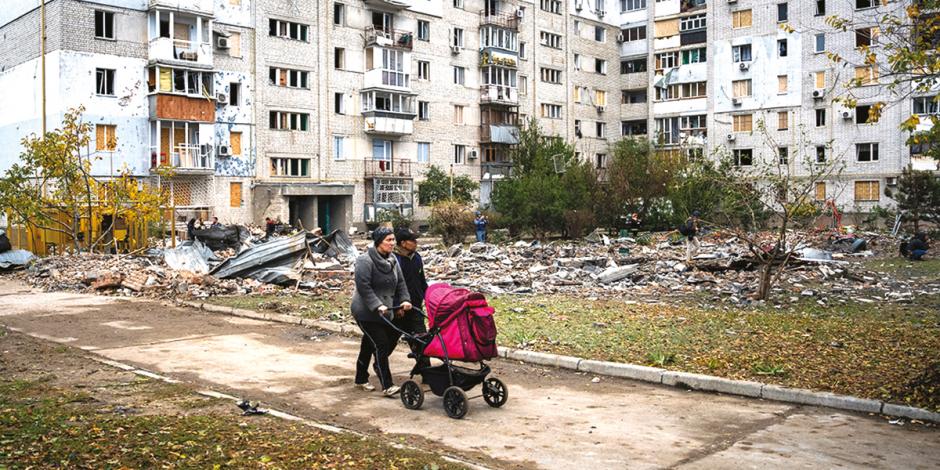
(701, 382)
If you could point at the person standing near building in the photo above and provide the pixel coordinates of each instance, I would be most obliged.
(480, 223)
(690, 230)
(412, 266)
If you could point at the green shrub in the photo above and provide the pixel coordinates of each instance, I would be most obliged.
(452, 221)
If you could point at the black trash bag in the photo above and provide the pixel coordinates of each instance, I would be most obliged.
(5, 245)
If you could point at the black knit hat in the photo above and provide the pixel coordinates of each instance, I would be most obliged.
(404, 234)
(379, 234)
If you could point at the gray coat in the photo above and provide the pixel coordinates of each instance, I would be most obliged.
(379, 281)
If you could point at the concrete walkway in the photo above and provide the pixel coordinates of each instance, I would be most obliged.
(554, 418)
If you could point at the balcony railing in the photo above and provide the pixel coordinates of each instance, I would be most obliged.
(186, 158)
(502, 20)
(499, 134)
(495, 170)
(499, 94)
(388, 168)
(389, 38)
(181, 50)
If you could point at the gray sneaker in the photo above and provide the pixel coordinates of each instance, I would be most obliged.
(391, 391)
(366, 387)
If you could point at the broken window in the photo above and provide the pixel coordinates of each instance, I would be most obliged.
(104, 82)
(629, 128)
(743, 157)
(288, 30)
(600, 66)
(550, 75)
(551, 111)
(783, 155)
(633, 96)
(820, 154)
(820, 117)
(633, 65)
(782, 47)
(866, 37)
(288, 121)
(925, 105)
(866, 75)
(339, 103)
(600, 161)
(741, 53)
(867, 152)
(234, 93)
(861, 114)
(577, 128)
(339, 58)
(104, 24)
(290, 167)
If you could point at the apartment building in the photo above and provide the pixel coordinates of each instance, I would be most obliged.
(327, 113)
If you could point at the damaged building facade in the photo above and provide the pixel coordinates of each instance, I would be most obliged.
(325, 113)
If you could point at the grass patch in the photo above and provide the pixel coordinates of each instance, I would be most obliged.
(45, 427)
(928, 269)
(882, 351)
(328, 307)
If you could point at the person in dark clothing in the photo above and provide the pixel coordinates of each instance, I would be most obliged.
(268, 227)
(412, 266)
(379, 283)
(191, 229)
(690, 229)
(479, 224)
(918, 246)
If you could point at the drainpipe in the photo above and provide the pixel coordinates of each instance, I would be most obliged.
(42, 59)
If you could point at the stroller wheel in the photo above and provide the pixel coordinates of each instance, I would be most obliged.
(495, 392)
(455, 402)
(411, 395)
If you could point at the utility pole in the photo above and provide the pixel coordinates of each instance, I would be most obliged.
(42, 59)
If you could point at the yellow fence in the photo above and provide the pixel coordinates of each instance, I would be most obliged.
(42, 242)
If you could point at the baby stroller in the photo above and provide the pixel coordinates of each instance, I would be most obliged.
(460, 327)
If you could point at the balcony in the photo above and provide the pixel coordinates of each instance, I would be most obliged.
(501, 20)
(495, 170)
(499, 95)
(499, 134)
(184, 158)
(393, 39)
(387, 79)
(181, 108)
(381, 123)
(195, 6)
(181, 51)
(388, 168)
(395, 5)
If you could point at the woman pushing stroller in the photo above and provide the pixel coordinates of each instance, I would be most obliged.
(379, 283)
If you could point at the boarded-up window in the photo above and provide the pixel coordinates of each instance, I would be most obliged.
(667, 28)
(741, 19)
(235, 194)
(741, 88)
(235, 142)
(166, 80)
(867, 190)
(820, 191)
(866, 75)
(820, 80)
(235, 45)
(782, 84)
(742, 123)
(783, 121)
(105, 138)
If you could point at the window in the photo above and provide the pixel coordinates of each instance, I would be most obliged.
(925, 105)
(458, 4)
(782, 12)
(783, 155)
(457, 39)
(692, 23)
(339, 147)
(861, 114)
(820, 191)
(460, 153)
(424, 110)
(633, 65)
(550, 75)
(523, 84)
(288, 30)
(577, 128)
(600, 161)
(235, 194)
(820, 43)
(600, 98)
(551, 6)
(867, 37)
(339, 14)
(339, 103)
(820, 154)
(601, 129)
(628, 128)
(819, 80)
(742, 123)
(862, 4)
(424, 70)
(694, 124)
(693, 56)
(782, 84)
(820, 7)
(866, 75)
(424, 30)
(339, 58)
(460, 75)
(382, 149)
(290, 167)
(104, 24)
(600, 66)
(424, 152)
(600, 34)
(781, 47)
(741, 19)
(820, 117)
(458, 114)
(667, 60)
(741, 53)
(104, 79)
(867, 190)
(743, 157)
(523, 51)
(235, 142)
(288, 78)
(234, 93)
(741, 88)
(632, 5)
(783, 121)
(551, 111)
(866, 152)
(634, 34)
(550, 40)
(666, 28)
(288, 121)
(577, 61)
(633, 96)
(105, 137)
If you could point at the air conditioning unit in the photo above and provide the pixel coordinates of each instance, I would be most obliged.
(601, 108)
(222, 42)
(520, 13)
(578, 5)
(224, 151)
(819, 94)
(455, 49)
(736, 101)
(891, 181)
(222, 98)
(744, 65)
(472, 155)
(846, 115)
(620, 37)
(601, 13)
(731, 137)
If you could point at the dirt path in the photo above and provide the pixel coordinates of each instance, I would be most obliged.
(554, 419)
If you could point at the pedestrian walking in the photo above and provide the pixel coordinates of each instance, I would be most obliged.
(412, 267)
(480, 223)
(690, 230)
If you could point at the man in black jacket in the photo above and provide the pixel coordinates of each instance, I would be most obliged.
(412, 267)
